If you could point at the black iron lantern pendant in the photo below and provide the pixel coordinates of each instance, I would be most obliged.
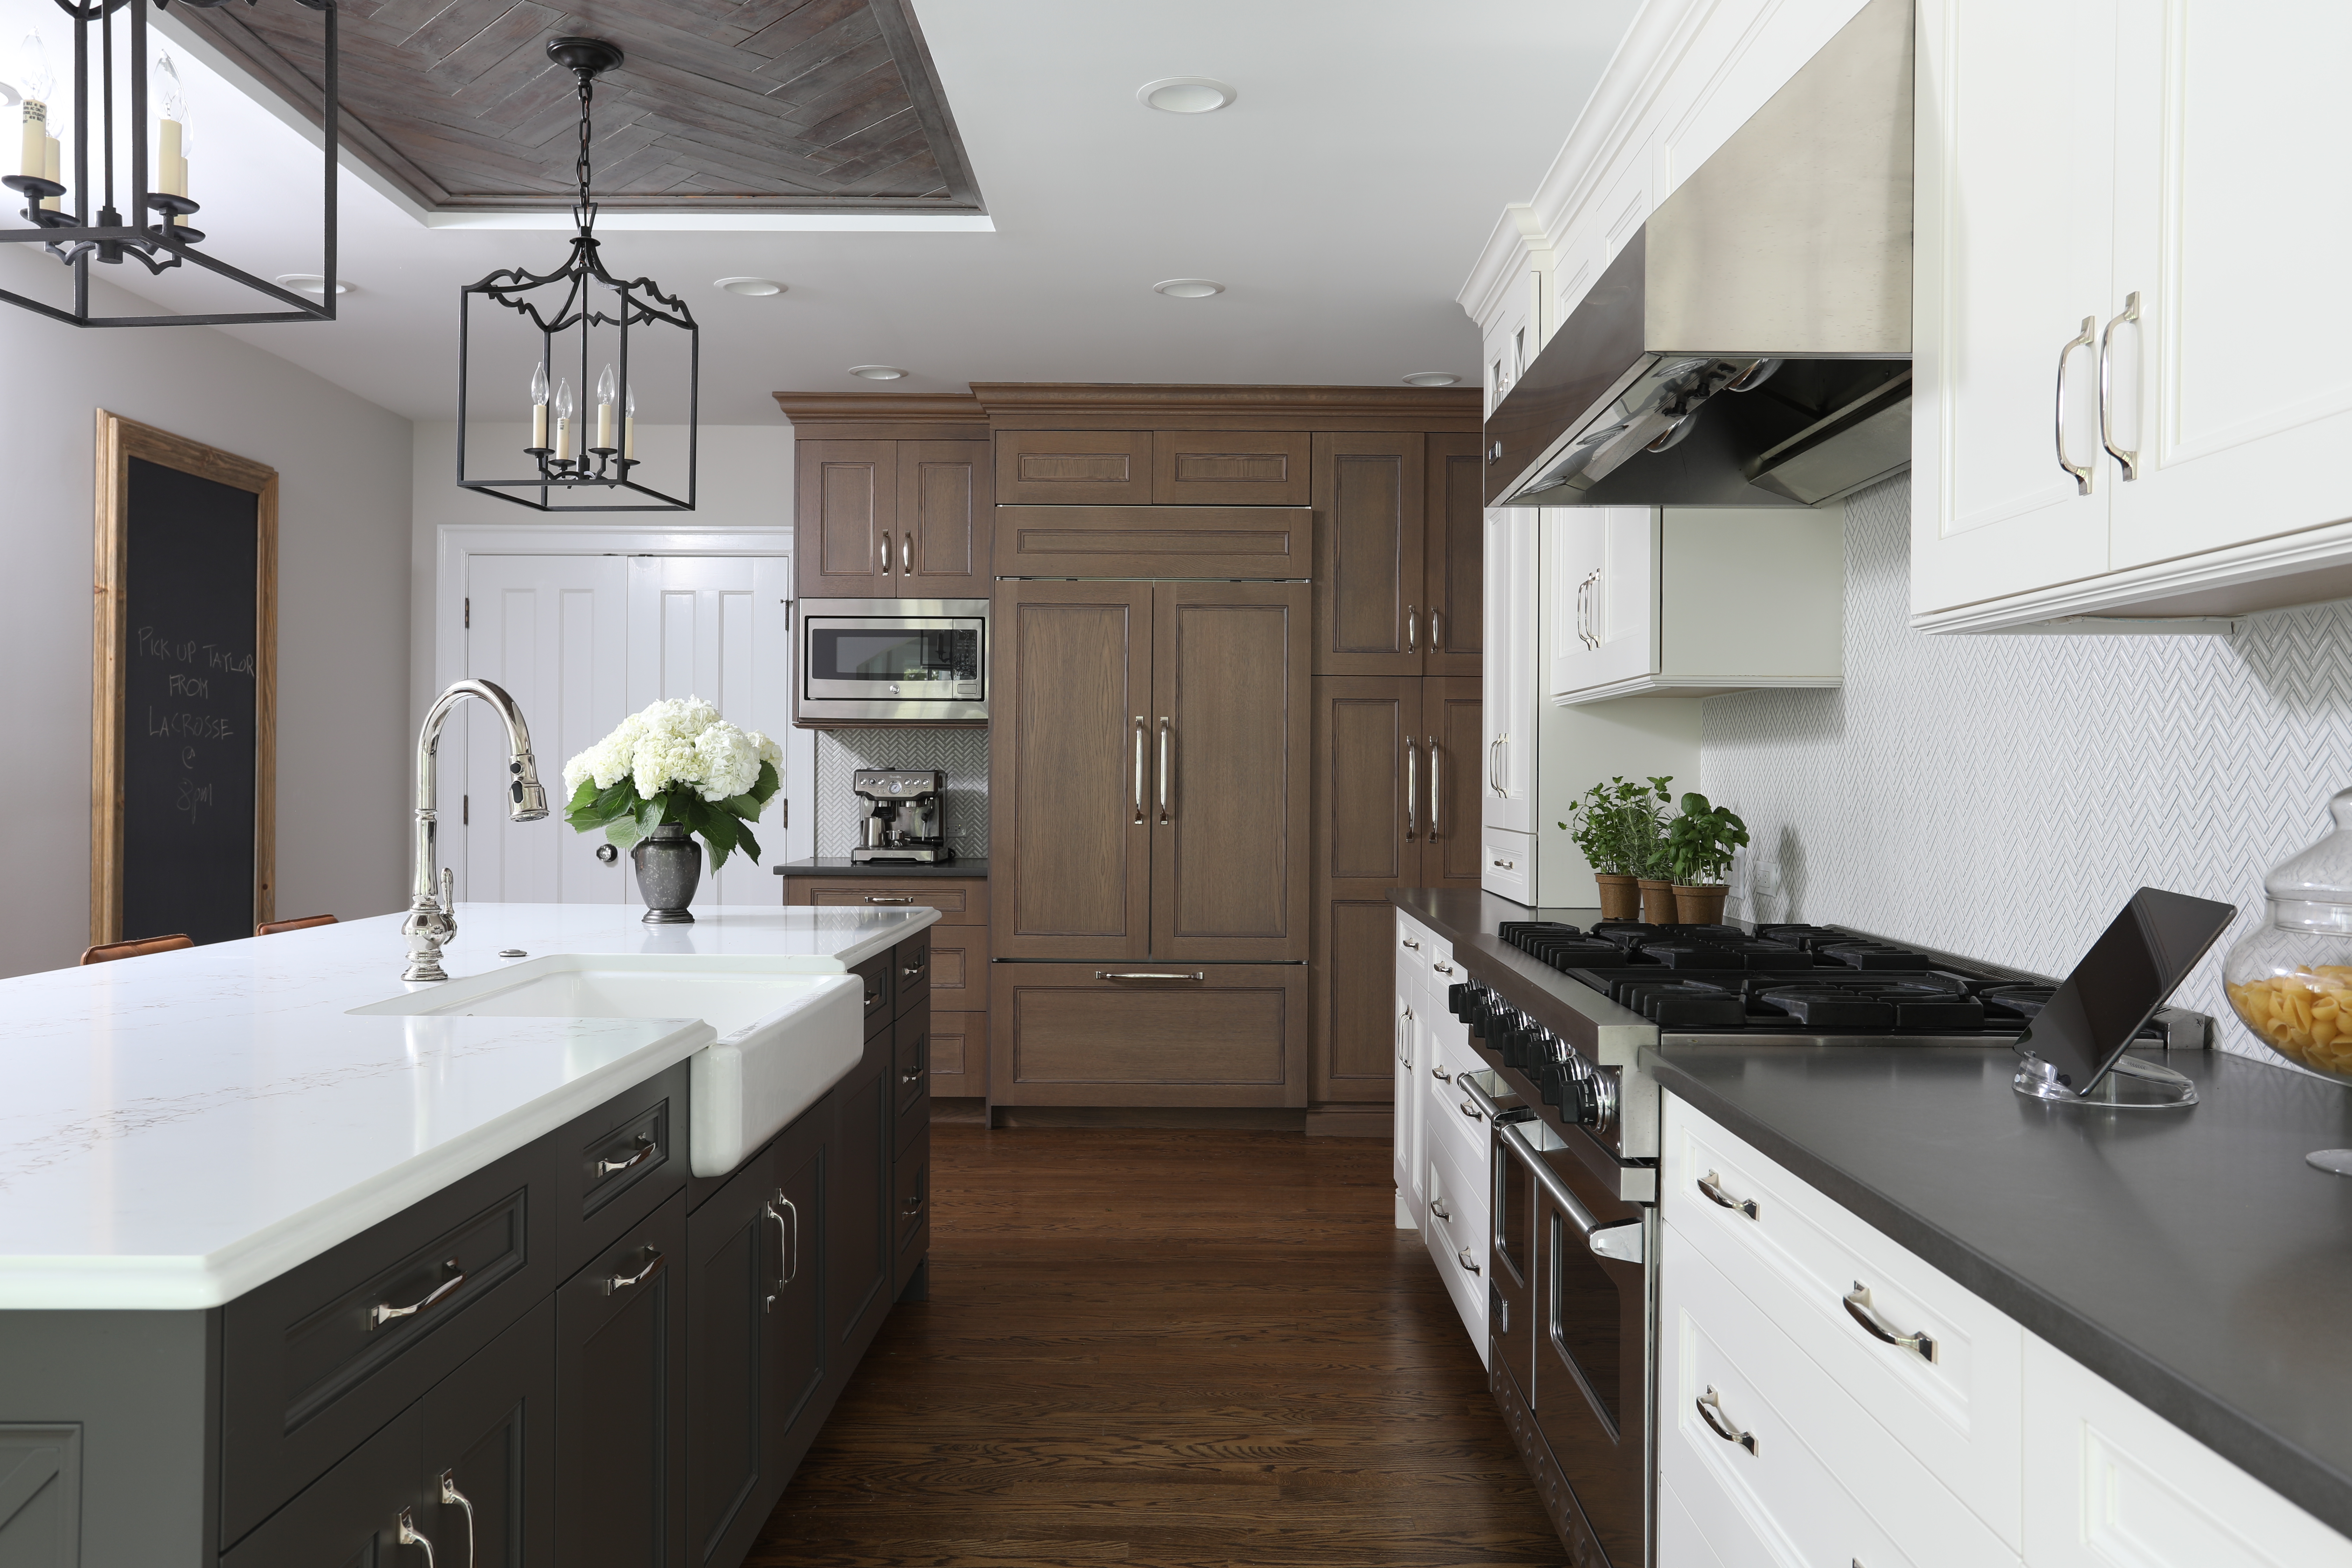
(158, 231)
(579, 326)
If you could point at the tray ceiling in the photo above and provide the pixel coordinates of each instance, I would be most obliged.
(743, 105)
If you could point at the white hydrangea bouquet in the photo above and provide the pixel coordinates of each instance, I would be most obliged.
(677, 761)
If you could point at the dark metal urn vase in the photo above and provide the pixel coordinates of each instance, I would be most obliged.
(670, 864)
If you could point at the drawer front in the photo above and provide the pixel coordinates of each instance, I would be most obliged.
(1241, 543)
(959, 968)
(1073, 1034)
(959, 903)
(1455, 1224)
(1799, 1258)
(1722, 1540)
(910, 1060)
(1229, 468)
(1456, 1129)
(326, 1353)
(876, 972)
(910, 974)
(1073, 468)
(2109, 1481)
(618, 1164)
(1802, 1454)
(1506, 863)
(1414, 941)
(960, 1054)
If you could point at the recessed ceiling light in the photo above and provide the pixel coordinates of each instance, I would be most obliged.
(1186, 94)
(311, 283)
(759, 288)
(878, 371)
(1432, 378)
(1188, 287)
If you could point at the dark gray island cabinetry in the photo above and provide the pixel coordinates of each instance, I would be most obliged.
(578, 1354)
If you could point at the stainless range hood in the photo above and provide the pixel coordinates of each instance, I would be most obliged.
(1752, 344)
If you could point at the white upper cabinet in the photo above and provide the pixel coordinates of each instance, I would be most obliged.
(1508, 700)
(2145, 166)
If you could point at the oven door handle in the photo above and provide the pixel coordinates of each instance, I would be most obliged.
(1621, 1241)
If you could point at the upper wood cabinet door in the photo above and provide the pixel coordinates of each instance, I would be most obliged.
(1228, 468)
(1368, 501)
(845, 502)
(1370, 775)
(1074, 468)
(1068, 771)
(1230, 732)
(1454, 565)
(1453, 738)
(946, 515)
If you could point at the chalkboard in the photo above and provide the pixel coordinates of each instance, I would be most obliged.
(186, 612)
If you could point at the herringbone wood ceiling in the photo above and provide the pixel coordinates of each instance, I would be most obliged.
(794, 105)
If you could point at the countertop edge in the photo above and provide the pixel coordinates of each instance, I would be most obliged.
(2300, 1477)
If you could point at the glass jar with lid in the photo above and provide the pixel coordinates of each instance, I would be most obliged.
(2290, 978)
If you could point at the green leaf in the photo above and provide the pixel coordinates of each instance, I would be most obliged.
(749, 844)
(652, 814)
(583, 795)
(746, 807)
(623, 832)
(718, 829)
(766, 785)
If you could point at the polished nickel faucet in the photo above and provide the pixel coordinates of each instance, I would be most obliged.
(432, 910)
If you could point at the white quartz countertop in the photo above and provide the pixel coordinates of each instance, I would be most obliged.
(178, 1128)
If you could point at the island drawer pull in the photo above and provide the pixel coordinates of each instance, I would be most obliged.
(1858, 1307)
(613, 1282)
(889, 898)
(1710, 1406)
(450, 1494)
(411, 1536)
(913, 970)
(1710, 1184)
(788, 1247)
(386, 1311)
(645, 1149)
(911, 1074)
(914, 1205)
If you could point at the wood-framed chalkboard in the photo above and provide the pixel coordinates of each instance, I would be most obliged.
(183, 748)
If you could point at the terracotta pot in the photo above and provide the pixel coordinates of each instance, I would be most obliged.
(1700, 906)
(1620, 899)
(1657, 902)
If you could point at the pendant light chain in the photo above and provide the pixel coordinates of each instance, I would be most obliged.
(585, 212)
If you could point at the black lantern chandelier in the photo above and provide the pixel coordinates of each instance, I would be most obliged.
(586, 461)
(158, 233)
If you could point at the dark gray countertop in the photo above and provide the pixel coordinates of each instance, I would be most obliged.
(2190, 1257)
(839, 866)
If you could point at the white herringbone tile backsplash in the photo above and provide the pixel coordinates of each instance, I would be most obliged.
(2002, 796)
(960, 754)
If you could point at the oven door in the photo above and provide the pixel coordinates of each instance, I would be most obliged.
(1591, 1348)
(885, 660)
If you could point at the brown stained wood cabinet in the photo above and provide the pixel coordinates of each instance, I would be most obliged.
(893, 519)
(1073, 468)
(1399, 540)
(1229, 468)
(958, 961)
(1396, 805)
(1153, 541)
(1156, 1034)
(1453, 568)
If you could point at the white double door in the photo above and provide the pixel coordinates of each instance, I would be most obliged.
(579, 642)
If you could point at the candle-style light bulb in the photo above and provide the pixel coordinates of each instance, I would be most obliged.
(563, 419)
(539, 407)
(39, 158)
(629, 423)
(608, 386)
(171, 130)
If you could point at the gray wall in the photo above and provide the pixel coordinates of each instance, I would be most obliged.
(342, 632)
(2002, 796)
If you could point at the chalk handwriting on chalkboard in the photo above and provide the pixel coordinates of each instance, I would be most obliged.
(191, 795)
(193, 726)
(153, 643)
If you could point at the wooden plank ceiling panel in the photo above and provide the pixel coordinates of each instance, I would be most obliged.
(782, 105)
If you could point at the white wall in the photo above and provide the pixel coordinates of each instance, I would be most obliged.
(342, 639)
(2002, 796)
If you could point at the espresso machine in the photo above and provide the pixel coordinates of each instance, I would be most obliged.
(902, 816)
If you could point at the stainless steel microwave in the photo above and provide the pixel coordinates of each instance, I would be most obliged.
(903, 661)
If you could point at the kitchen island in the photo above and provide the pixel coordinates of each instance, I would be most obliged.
(275, 1255)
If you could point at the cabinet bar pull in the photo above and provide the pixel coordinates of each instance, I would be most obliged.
(450, 1494)
(1165, 725)
(885, 552)
(1436, 637)
(911, 1074)
(1504, 865)
(1442, 968)
(2081, 340)
(1492, 744)
(788, 1247)
(623, 1281)
(1431, 832)
(386, 1311)
(914, 1205)
(1412, 943)
(1710, 1408)
(1146, 974)
(2130, 460)
(1473, 1112)
(410, 1536)
(1139, 770)
(1464, 1258)
(907, 557)
(913, 970)
(1437, 1207)
(645, 1147)
(1410, 616)
(1710, 1184)
(889, 898)
(1858, 1307)
(1441, 1075)
(1412, 785)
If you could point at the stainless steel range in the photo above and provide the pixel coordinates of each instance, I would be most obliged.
(1573, 1122)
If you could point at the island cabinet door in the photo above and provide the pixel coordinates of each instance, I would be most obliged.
(857, 1209)
(1070, 759)
(352, 1514)
(489, 1441)
(620, 1401)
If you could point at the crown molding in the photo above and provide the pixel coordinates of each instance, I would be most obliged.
(1517, 242)
(883, 415)
(1098, 406)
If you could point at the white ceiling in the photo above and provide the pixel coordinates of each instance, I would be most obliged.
(1342, 200)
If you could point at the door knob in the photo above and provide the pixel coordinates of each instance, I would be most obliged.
(607, 853)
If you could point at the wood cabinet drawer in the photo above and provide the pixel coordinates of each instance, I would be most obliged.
(1154, 541)
(1794, 1451)
(1229, 468)
(910, 974)
(875, 974)
(959, 1054)
(1799, 1257)
(617, 1164)
(959, 968)
(910, 1058)
(1208, 1034)
(326, 1353)
(1073, 468)
(959, 901)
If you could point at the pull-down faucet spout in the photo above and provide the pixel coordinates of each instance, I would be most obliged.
(432, 910)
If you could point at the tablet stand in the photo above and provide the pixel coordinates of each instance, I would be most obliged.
(2128, 1082)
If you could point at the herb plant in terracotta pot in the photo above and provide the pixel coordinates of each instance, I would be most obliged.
(1617, 831)
(1699, 846)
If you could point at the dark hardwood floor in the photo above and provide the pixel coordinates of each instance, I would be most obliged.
(1171, 1348)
